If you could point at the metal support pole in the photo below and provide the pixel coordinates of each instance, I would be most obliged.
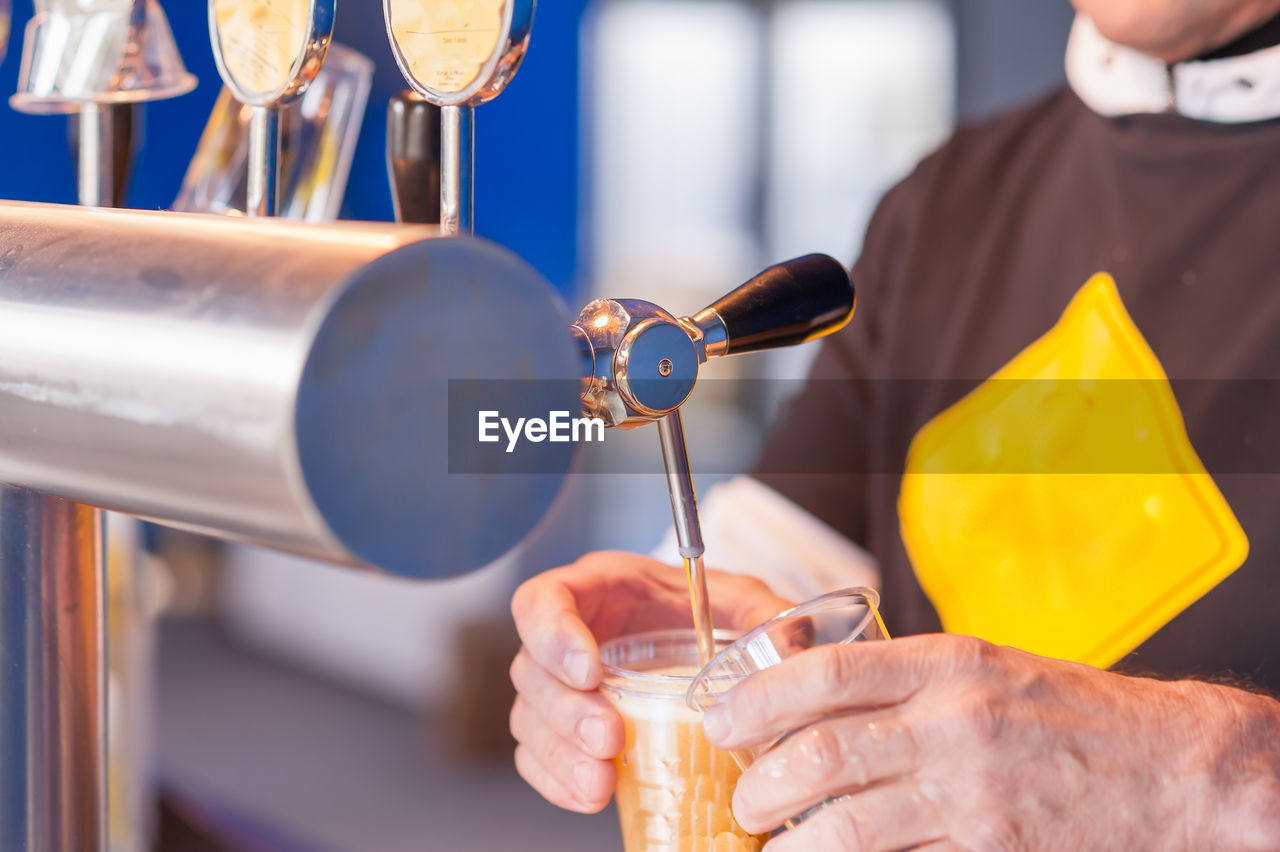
(264, 162)
(96, 161)
(53, 618)
(52, 675)
(457, 169)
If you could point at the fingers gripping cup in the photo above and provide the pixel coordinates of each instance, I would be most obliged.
(674, 790)
(838, 618)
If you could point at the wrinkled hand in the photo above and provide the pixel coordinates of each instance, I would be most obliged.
(568, 734)
(947, 742)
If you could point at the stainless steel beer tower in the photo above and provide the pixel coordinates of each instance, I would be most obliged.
(271, 383)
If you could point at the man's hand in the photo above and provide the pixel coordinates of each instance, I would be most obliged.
(948, 742)
(568, 734)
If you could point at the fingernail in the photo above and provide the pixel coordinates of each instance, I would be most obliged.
(591, 731)
(576, 666)
(584, 775)
(715, 724)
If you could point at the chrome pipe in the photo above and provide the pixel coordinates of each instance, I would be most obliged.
(457, 169)
(77, 811)
(263, 191)
(53, 681)
(95, 176)
(684, 510)
(268, 382)
(684, 503)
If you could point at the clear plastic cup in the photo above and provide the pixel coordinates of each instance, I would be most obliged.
(320, 131)
(79, 52)
(838, 618)
(674, 790)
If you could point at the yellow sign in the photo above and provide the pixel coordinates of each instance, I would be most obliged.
(261, 41)
(446, 43)
(1060, 507)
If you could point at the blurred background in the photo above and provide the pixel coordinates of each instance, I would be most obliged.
(656, 149)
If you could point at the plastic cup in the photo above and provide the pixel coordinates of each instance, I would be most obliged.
(79, 52)
(838, 618)
(320, 131)
(674, 790)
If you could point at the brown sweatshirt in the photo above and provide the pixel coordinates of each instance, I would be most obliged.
(976, 267)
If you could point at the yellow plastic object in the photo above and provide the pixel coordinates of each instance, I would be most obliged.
(446, 43)
(1060, 507)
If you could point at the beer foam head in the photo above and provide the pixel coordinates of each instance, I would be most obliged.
(664, 708)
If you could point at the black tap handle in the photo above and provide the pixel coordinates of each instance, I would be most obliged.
(790, 303)
(413, 158)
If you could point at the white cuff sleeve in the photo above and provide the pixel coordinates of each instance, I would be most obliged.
(751, 529)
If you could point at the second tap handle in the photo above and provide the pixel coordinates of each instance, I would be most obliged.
(786, 304)
(413, 158)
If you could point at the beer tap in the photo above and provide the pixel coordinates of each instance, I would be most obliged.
(641, 365)
(268, 52)
(457, 56)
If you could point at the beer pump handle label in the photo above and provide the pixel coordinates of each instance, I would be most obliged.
(446, 44)
(6, 21)
(263, 46)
